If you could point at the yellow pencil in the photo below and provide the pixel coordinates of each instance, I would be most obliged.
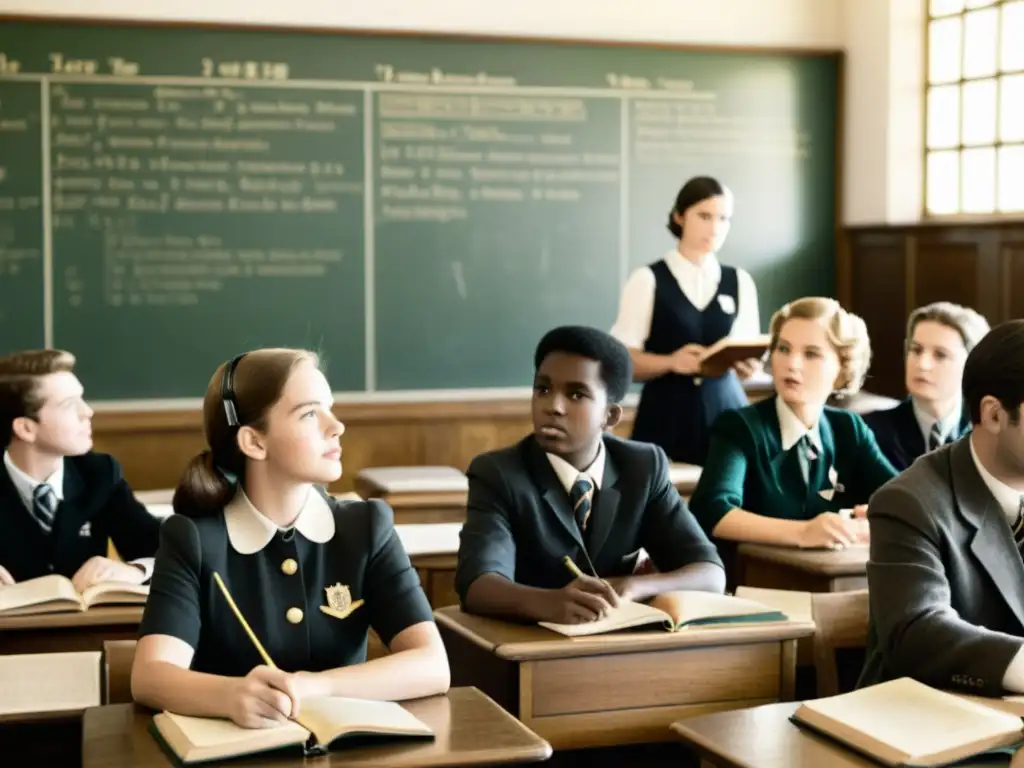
(243, 622)
(572, 567)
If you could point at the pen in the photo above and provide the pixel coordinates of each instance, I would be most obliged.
(243, 622)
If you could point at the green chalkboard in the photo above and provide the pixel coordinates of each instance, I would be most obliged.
(420, 210)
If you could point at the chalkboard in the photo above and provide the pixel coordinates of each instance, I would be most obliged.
(418, 209)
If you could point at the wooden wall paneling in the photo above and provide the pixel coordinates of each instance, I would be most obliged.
(1011, 280)
(947, 271)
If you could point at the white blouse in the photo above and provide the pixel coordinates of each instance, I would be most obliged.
(699, 283)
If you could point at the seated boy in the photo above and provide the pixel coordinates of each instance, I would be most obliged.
(60, 502)
(572, 489)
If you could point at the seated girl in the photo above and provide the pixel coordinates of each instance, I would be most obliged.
(309, 574)
(790, 470)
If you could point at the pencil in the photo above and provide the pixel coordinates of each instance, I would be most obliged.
(572, 567)
(243, 622)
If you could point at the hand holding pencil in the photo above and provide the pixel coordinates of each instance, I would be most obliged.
(584, 599)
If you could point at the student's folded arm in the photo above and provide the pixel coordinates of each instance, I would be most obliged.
(717, 501)
(401, 615)
(134, 529)
(919, 633)
(486, 569)
(169, 632)
(684, 556)
(873, 468)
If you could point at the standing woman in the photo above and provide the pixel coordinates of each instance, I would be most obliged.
(310, 574)
(675, 308)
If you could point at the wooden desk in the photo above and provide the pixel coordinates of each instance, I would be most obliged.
(807, 570)
(684, 477)
(417, 494)
(71, 631)
(763, 737)
(618, 689)
(470, 730)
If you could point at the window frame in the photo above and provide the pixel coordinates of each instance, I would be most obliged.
(997, 143)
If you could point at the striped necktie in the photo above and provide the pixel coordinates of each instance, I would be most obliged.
(806, 454)
(581, 496)
(935, 437)
(1018, 526)
(44, 506)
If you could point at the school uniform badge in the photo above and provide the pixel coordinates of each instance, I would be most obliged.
(339, 601)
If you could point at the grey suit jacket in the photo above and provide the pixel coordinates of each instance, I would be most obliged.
(945, 579)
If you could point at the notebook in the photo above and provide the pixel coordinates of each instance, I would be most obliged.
(55, 594)
(674, 612)
(906, 723)
(726, 352)
(323, 721)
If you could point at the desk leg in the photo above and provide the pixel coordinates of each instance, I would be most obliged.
(787, 677)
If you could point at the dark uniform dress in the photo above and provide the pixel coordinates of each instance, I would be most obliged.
(336, 552)
(675, 411)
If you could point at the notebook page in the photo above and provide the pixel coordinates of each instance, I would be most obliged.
(214, 732)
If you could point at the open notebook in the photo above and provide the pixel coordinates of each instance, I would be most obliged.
(56, 594)
(323, 721)
(906, 723)
(674, 611)
(726, 352)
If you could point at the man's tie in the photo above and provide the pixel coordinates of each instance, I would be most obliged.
(581, 497)
(806, 454)
(935, 437)
(1018, 526)
(44, 506)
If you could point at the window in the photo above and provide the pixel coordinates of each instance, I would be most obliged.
(975, 107)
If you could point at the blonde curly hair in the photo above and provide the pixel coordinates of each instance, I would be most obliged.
(846, 332)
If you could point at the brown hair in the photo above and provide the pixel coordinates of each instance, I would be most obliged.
(211, 478)
(846, 332)
(971, 326)
(19, 384)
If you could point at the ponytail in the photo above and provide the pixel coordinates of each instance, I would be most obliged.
(203, 489)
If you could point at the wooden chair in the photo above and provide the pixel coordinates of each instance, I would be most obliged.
(118, 656)
(841, 619)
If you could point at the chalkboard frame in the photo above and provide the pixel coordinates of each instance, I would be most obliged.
(843, 265)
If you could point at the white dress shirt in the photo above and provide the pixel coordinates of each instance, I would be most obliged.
(568, 474)
(947, 424)
(26, 486)
(793, 429)
(1009, 502)
(699, 283)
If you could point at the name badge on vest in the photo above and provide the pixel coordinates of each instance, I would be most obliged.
(85, 530)
(727, 303)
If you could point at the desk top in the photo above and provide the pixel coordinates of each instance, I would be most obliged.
(763, 737)
(470, 730)
(523, 642)
(413, 479)
(684, 476)
(100, 616)
(851, 561)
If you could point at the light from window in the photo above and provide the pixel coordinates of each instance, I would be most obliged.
(975, 107)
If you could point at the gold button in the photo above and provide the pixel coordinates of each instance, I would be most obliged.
(294, 615)
(289, 567)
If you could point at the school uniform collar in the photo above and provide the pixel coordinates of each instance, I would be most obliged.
(249, 530)
(26, 485)
(709, 269)
(947, 425)
(791, 429)
(1006, 497)
(568, 474)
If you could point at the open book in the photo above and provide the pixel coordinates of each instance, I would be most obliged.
(322, 721)
(726, 352)
(674, 611)
(55, 594)
(906, 723)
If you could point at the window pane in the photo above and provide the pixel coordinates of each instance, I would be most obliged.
(1011, 108)
(979, 3)
(945, 7)
(943, 174)
(978, 180)
(979, 113)
(944, 50)
(1011, 179)
(944, 117)
(981, 36)
(1013, 34)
